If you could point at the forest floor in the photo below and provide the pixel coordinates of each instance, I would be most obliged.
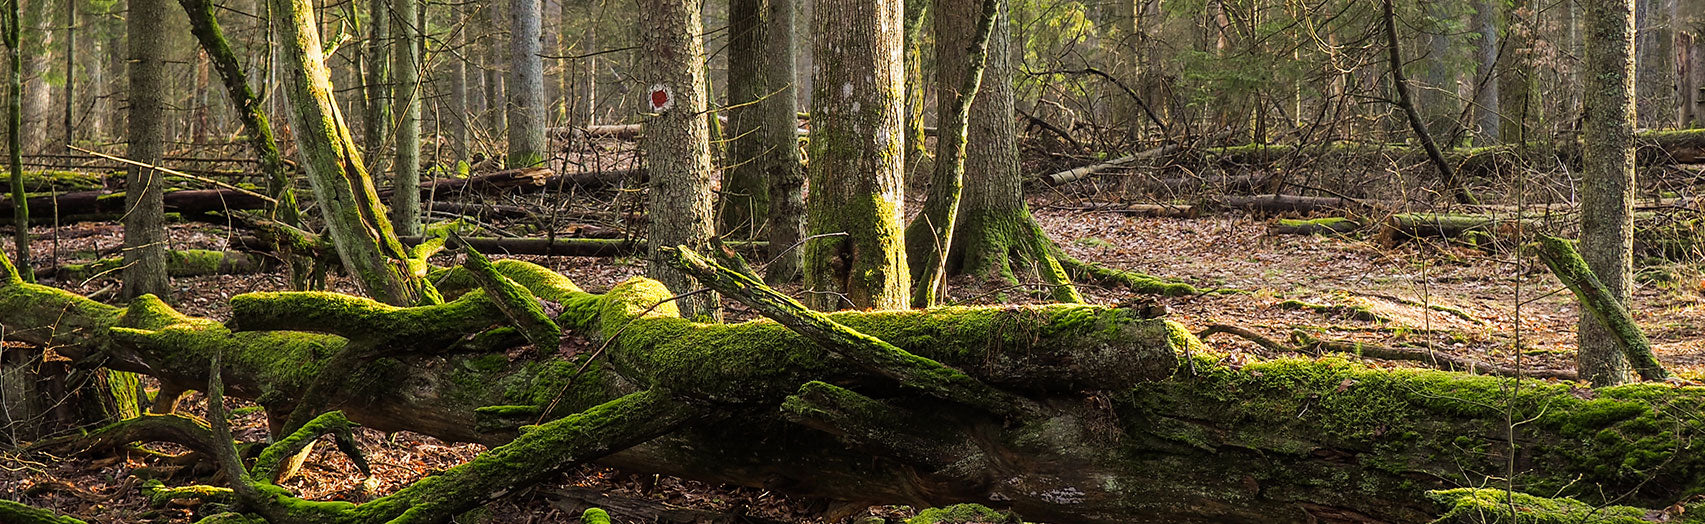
(1511, 309)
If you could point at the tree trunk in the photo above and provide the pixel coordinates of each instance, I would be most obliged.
(1487, 121)
(1607, 182)
(70, 99)
(15, 141)
(1438, 98)
(457, 106)
(857, 158)
(37, 41)
(497, 109)
(676, 145)
(406, 93)
(1655, 81)
(586, 99)
(355, 220)
(145, 242)
(995, 237)
(378, 82)
(1516, 77)
(762, 119)
(526, 86)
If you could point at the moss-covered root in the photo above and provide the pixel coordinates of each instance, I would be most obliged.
(1496, 506)
(870, 353)
(1136, 282)
(964, 514)
(1560, 255)
(594, 516)
(999, 245)
(515, 301)
(18, 513)
(177, 429)
(159, 495)
(533, 457)
(267, 466)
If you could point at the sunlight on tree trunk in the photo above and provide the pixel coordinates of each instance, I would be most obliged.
(1607, 180)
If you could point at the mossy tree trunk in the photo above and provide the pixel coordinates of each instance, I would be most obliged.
(1607, 182)
(145, 242)
(857, 158)
(527, 146)
(994, 235)
(355, 219)
(15, 141)
(1123, 430)
(762, 192)
(929, 234)
(676, 145)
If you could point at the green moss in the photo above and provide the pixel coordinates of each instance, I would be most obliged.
(47, 180)
(1357, 312)
(594, 516)
(963, 514)
(1496, 506)
(159, 495)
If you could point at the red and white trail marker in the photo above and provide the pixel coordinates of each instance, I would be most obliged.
(661, 98)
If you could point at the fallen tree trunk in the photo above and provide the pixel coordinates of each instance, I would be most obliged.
(1565, 262)
(1653, 148)
(1124, 432)
(179, 263)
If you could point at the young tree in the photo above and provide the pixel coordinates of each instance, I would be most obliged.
(765, 179)
(857, 158)
(1607, 180)
(355, 220)
(526, 85)
(676, 146)
(406, 94)
(145, 243)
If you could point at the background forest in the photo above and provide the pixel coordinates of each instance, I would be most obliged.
(313, 261)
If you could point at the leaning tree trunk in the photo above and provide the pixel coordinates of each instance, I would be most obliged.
(406, 94)
(526, 86)
(676, 145)
(1607, 192)
(762, 123)
(1124, 419)
(995, 237)
(145, 242)
(855, 257)
(355, 220)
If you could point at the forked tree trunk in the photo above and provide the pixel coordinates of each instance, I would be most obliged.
(355, 220)
(526, 86)
(145, 242)
(995, 236)
(1607, 182)
(857, 158)
(676, 145)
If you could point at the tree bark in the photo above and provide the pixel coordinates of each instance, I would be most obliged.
(145, 242)
(37, 42)
(459, 117)
(857, 158)
(676, 145)
(527, 146)
(1655, 80)
(1607, 182)
(1487, 121)
(355, 220)
(405, 94)
(995, 236)
(763, 194)
(378, 81)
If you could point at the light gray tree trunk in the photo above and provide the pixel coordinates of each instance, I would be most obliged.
(497, 108)
(406, 94)
(457, 105)
(526, 85)
(145, 242)
(1438, 100)
(857, 158)
(1516, 92)
(676, 145)
(1607, 185)
(378, 61)
(38, 62)
(1655, 79)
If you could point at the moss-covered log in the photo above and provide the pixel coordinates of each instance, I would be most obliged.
(1280, 441)
(179, 263)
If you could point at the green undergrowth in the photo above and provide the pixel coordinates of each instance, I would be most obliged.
(964, 514)
(1496, 506)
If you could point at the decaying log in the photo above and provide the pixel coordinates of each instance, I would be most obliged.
(1476, 229)
(1142, 210)
(179, 263)
(1565, 262)
(1274, 204)
(1080, 173)
(1292, 440)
